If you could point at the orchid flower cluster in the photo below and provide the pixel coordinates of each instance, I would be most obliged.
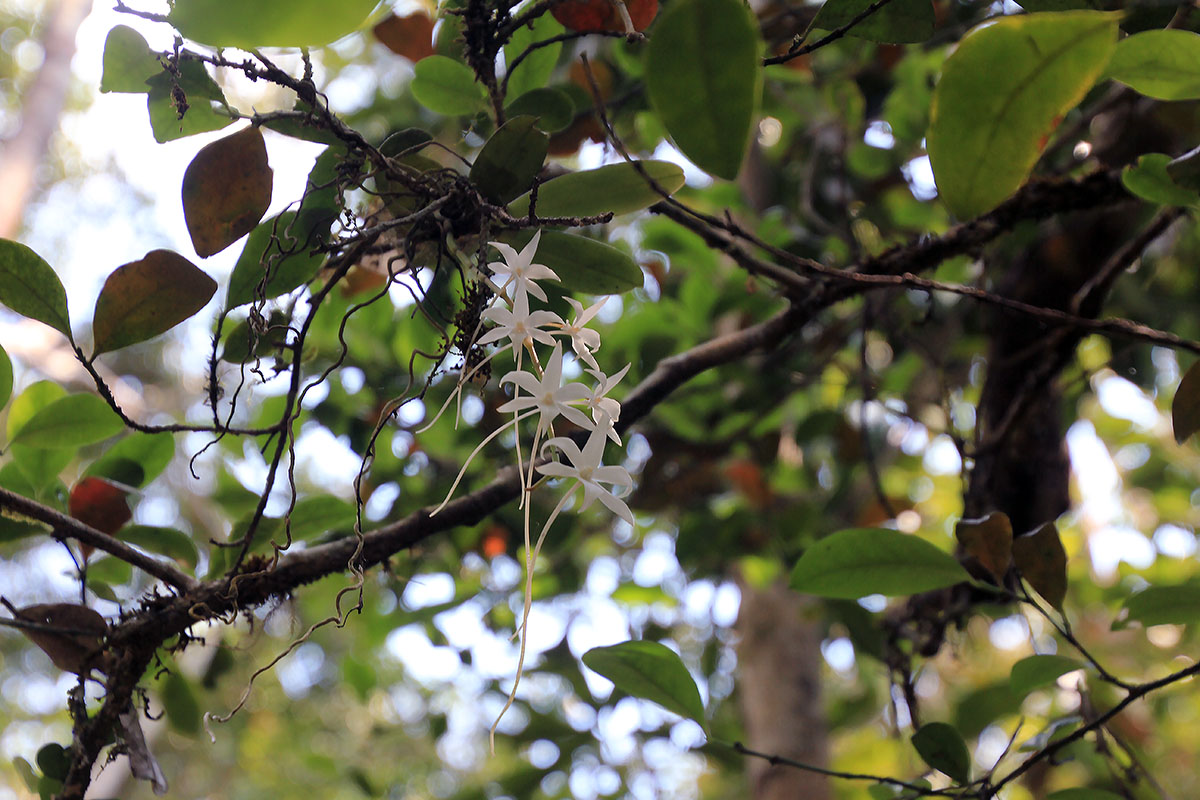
(541, 392)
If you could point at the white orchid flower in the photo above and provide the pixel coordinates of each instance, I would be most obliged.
(605, 410)
(584, 340)
(587, 469)
(519, 270)
(520, 325)
(548, 395)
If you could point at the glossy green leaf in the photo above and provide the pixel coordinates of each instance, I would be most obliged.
(6, 377)
(128, 62)
(447, 86)
(1185, 406)
(41, 466)
(250, 24)
(650, 671)
(180, 704)
(1001, 94)
(942, 747)
(71, 421)
(1149, 180)
(170, 542)
(148, 297)
(1035, 672)
(147, 453)
(534, 71)
(1083, 793)
(704, 77)
(553, 108)
(186, 104)
(28, 403)
(1165, 605)
(899, 22)
(854, 563)
(618, 188)
(276, 251)
(1163, 64)
(29, 287)
(582, 264)
(510, 160)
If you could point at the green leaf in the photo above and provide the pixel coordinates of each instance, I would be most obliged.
(1035, 672)
(128, 62)
(136, 459)
(1185, 170)
(582, 264)
(510, 160)
(276, 250)
(179, 701)
(6, 377)
(899, 22)
(854, 563)
(148, 297)
(1083, 793)
(29, 287)
(170, 542)
(1185, 406)
(35, 397)
(1149, 180)
(54, 761)
(650, 671)
(1163, 64)
(321, 514)
(446, 86)
(40, 466)
(535, 70)
(250, 24)
(618, 188)
(1001, 94)
(206, 109)
(71, 421)
(1163, 605)
(553, 108)
(943, 748)
(704, 77)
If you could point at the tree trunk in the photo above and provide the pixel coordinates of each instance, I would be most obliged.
(22, 154)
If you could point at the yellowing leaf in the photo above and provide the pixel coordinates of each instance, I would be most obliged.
(1185, 407)
(226, 190)
(1042, 561)
(1000, 95)
(989, 541)
(148, 297)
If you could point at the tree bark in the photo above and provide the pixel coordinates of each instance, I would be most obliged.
(22, 154)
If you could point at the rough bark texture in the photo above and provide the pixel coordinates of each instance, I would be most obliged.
(779, 657)
(22, 154)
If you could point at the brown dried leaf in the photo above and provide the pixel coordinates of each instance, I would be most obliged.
(1042, 561)
(148, 297)
(226, 190)
(989, 541)
(410, 36)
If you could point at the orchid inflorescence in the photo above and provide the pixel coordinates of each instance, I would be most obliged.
(542, 393)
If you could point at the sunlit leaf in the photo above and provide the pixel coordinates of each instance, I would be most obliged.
(1163, 64)
(1042, 562)
(942, 747)
(533, 72)
(136, 459)
(583, 264)
(1185, 407)
(185, 102)
(226, 190)
(650, 671)
(1002, 92)
(33, 399)
(619, 188)
(1165, 605)
(148, 297)
(1035, 672)
(128, 62)
(6, 377)
(250, 24)
(71, 421)
(510, 160)
(899, 22)
(989, 541)
(275, 261)
(703, 77)
(1149, 180)
(446, 86)
(854, 563)
(29, 287)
